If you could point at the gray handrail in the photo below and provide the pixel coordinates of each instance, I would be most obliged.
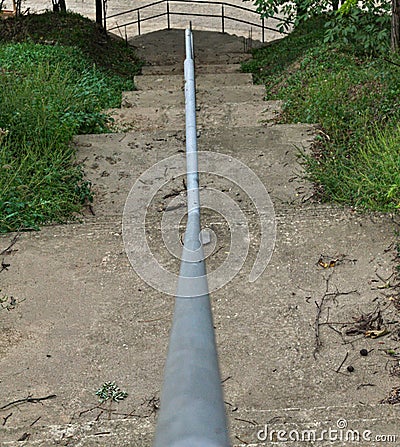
(192, 412)
(169, 13)
(207, 2)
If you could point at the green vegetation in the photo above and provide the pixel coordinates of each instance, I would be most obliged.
(355, 100)
(371, 24)
(110, 391)
(58, 72)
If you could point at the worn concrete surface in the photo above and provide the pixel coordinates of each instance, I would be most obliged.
(232, 115)
(200, 69)
(135, 432)
(115, 161)
(84, 317)
(215, 96)
(204, 81)
(164, 108)
(75, 314)
(151, 47)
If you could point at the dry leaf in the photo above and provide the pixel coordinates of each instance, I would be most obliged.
(375, 333)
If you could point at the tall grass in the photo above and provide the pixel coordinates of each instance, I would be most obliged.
(355, 100)
(369, 178)
(47, 94)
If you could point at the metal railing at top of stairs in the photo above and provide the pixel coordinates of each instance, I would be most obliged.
(192, 411)
(168, 13)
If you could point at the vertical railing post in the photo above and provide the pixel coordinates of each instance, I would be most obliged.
(104, 15)
(223, 18)
(192, 411)
(99, 12)
(168, 18)
(138, 21)
(263, 30)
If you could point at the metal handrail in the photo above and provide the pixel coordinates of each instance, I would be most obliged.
(135, 9)
(207, 2)
(169, 13)
(192, 411)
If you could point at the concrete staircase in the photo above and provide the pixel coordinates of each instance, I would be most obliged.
(159, 103)
(83, 316)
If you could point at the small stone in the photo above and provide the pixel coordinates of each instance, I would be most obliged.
(364, 352)
(350, 369)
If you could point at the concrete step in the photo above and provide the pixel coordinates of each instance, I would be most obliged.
(113, 162)
(202, 58)
(75, 283)
(231, 115)
(159, 82)
(210, 47)
(214, 96)
(200, 69)
(248, 427)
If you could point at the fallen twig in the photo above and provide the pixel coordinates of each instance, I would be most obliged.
(366, 322)
(241, 440)
(4, 265)
(12, 243)
(245, 420)
(34, 422)
(340, 366)
(5, 419)
(317, 323)
(28, 399)
(234, 408)
(318, 342)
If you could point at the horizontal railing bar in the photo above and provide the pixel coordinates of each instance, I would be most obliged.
(234, 19)
(225, 17)
(136, 9)
(136, 21)
(254, 24)
(211, 2)
(207, 2)
(195, 14)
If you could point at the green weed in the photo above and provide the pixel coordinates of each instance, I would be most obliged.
(47, 95)
(356, 102)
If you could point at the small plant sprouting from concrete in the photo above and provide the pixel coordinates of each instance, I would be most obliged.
(110, 390)
(112, 393)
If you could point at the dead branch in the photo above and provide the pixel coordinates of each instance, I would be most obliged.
(7, 250)
(340, 366)
(28, 399)
(317, 323)
(5, 419)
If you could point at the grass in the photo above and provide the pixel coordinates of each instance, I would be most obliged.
(355, 99)
(74, 30)
(58, 72)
